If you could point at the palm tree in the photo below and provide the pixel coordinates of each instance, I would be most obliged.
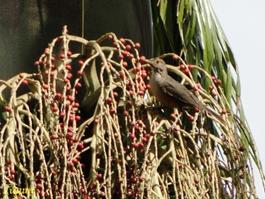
(86, 126)
(198, 37)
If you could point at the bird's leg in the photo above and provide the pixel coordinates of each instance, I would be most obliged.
(175, 118)
(159, 109)
(162, 112)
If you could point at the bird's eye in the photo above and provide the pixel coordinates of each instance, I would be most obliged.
(156, 69)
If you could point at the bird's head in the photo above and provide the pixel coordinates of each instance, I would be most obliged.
(157, 65)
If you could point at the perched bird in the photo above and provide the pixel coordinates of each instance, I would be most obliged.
(170, 92)
(173, 94)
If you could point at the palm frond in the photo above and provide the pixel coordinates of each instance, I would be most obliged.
(193, 31)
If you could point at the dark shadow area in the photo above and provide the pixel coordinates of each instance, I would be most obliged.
(26, 27)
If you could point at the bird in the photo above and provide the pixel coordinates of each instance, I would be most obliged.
(169, 91)
(173, 94)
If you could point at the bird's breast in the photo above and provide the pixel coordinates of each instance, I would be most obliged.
(156, 83)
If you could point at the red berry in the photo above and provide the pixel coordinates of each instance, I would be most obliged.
(131, 55)
(69, 75)
(68, 67)
(70, 129)
(125, 113)
(138, 67)
(53, 137)
(62, 114)
(115, 44)
(144, 74)
(133, 180)
(137, 45)
(109, 100)
(195, 88)
(25, 82)
(125, 64)
(75, 161)
(54, 109)
(99, 176)
(77, 117)
(69, 53)
(115, 94)
(70, 164)
(152, 133)
(70, 98)
(66, 80)
(144, 139)
(78, 85)
(135, 145)
(81, 62)
(196, 109)
(141, 88)
(132, 92)
(46, 51)
(112, 111)
(182, 67)
(213, 78)
(76, 104)
(62, 56)
(191, 66)
(136, 126)
(69, 135)
(122, 74)
(141, 145)
(96, 120)
(58, 96)
(80, 73)
(175, 57)
(148, 86)
(45, 86)
(36, 63)
(71, 118)
(199, 86)
(128, 47)
(61, 125)
(141, 93)
(125, 53)
(122, 40)
(7, 109)
(110, 37)
(142, 59)
(80, 146)
(121, 57)
(186, 71)
(132, 136)
(129, 192)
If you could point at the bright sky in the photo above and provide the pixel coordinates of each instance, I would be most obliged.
(243, 22)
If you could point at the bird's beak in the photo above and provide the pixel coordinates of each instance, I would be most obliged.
(150, 64)
(148, 61)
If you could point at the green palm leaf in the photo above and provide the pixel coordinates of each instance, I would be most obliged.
(191, 29)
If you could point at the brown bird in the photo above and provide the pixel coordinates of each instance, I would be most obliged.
(173, 94)
(170, 92)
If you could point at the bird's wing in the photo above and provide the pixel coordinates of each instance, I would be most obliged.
(180, 93)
